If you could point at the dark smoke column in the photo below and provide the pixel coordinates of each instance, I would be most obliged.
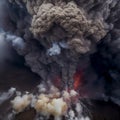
(59, 32)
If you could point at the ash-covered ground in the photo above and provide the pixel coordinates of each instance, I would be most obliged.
(62, 39)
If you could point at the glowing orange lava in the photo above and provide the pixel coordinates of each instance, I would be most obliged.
(77, 79)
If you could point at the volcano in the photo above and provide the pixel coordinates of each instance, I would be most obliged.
(72, 46)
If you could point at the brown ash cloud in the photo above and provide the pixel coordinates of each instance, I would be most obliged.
(59, 33)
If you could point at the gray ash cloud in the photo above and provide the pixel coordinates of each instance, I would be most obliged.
(89, 30)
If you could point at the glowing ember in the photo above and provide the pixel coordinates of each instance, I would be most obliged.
(77, 79)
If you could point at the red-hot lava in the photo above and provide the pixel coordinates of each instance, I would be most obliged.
(77, 81)
(78, 77)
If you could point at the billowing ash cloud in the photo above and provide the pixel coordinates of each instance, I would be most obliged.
(43, 25)
(16, 41)
(7, 40)
(6, 95)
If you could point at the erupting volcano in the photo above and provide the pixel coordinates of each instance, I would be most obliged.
(72, 46)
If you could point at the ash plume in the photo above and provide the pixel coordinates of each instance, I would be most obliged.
(53, 22)
(87, 29)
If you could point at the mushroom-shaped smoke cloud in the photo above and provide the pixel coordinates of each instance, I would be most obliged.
(54, 34)
(77, 24)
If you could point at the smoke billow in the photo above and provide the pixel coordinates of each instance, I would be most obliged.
(72, 41)
(53, 102)
(6, 95)
(8, 39)
(58, 34)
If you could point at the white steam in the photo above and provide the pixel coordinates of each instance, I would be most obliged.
(21, 102)
(56, 48)
(5, 41)
(6, 95)
(63, 44)
(16, 41)
(51, 101)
